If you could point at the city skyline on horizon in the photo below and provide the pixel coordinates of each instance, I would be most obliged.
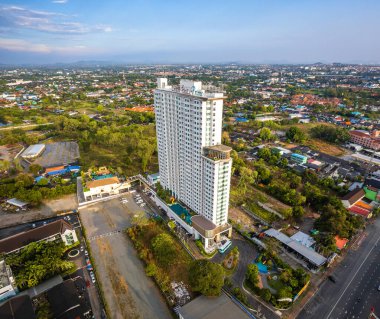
(147, 32)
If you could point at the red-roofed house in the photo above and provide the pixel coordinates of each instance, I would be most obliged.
(340, 243)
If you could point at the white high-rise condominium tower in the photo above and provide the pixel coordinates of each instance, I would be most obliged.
(193, 164)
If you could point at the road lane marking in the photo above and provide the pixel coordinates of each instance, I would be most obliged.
(328, 316)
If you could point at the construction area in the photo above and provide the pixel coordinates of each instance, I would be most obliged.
(128, 292)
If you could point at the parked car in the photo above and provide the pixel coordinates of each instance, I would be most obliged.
(81, 248)
(86, 253)
(332, 279)
(92, 277)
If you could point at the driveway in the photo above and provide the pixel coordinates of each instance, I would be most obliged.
(247, 254)
(129, 293)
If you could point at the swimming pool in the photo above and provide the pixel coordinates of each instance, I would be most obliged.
(262, 268)
(181, 211)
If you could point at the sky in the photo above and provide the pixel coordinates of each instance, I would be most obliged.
(197, 31)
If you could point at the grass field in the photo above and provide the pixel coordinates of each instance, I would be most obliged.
(315, 143)
(250, 199)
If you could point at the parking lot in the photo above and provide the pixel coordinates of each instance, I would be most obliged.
(129, 293)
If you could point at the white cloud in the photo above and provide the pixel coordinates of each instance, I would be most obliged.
(60, 1)
(14, 17)
(18, 45)
(23, 46)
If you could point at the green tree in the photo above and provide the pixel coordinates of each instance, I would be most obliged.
(295, 134)
(151, 270)
(252, 274)
(247, 177)
(283, 162)
(4, 165)
(266, 134)
(35, 169)
(265, 294)
(206, 277)
(24, 180)
(264, 153)
(298, 211)
(164, 249)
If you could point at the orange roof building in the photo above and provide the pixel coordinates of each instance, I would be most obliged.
(55, 168)
(340, 243)
(102, 182)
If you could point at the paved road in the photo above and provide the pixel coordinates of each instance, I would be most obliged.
(13, 230)
(355, 290)
(247, 254)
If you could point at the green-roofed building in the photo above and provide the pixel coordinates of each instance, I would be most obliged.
(371, 193)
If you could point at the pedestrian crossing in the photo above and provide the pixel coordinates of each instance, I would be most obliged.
(105, 235)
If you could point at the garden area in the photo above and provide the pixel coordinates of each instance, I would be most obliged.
(37, 262)
(165, 259)
(25, 188)
(169, 264)
(274, 280)
(230, 261)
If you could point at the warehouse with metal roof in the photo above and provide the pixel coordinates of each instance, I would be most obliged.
(33, 151)
(313, 259)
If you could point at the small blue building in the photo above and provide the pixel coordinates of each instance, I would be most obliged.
(298, 158)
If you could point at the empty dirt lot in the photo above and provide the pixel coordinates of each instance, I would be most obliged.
(128, 291)
(49, 208)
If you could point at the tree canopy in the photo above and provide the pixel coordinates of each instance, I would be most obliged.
(163, 249)
(295, 134)
(206, 277)
(37, 262)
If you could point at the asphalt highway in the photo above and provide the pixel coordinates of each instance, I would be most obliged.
(355, 289)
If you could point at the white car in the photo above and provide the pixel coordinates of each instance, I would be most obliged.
(92, 277)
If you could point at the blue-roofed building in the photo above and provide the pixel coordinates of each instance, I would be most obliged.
(38, 178)
(298, 158)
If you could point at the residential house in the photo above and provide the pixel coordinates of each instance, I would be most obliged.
(104, 187)
(59, 230)
(8, 286)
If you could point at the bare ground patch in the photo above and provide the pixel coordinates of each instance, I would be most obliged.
(119, 295)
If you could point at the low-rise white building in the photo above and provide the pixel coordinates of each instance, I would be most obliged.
(104, 187)
(8, 286)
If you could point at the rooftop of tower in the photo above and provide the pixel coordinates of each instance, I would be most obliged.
(189, 87)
